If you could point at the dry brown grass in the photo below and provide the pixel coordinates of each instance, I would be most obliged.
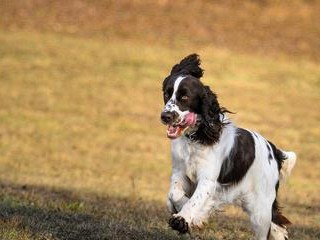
(83, 154)
(258, 26)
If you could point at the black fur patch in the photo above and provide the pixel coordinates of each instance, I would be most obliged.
(255, 135)
(178, 223)
(190, 65)
(278, 155)
(240, 158)
(210, 128)
(277, 216)
(269, 152)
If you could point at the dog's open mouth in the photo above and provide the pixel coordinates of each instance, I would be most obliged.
(175, 130)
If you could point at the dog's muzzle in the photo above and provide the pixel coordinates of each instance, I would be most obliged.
(169, 118)
(176, 124)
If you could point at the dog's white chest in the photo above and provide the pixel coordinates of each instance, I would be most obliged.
(192, 156)
(191, 168)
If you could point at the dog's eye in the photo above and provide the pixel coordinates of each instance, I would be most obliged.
(185, 98)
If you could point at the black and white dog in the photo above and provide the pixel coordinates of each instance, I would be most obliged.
(216, 163)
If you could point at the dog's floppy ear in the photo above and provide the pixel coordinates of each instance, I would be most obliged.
(210, 128)
(210, 105)
(190, 65)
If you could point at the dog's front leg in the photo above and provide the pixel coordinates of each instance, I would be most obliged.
(197, 209)
(179, 188)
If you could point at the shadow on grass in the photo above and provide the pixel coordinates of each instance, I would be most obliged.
(61, 214)
(49, 213)
(239, 228)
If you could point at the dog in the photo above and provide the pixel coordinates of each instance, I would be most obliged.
(215, 163)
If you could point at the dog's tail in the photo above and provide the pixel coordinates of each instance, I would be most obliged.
(288, 162)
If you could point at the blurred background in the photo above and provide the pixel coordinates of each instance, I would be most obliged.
(83, 154)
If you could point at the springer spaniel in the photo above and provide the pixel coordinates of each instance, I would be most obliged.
(216, 163)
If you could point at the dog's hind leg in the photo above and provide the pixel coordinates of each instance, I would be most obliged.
(259, 208)
(261, 222)
(278, 229)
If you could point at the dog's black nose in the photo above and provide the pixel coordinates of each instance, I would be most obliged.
(167, 117)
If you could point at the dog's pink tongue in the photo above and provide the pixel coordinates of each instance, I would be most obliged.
(190, 119)
(173, 132)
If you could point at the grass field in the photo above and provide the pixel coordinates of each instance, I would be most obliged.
(83, 154)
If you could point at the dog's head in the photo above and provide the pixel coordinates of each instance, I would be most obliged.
(189, 104)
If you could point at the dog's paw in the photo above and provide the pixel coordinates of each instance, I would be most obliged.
(178, 223)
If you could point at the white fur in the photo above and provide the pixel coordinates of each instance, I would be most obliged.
(288, 165)
(171, 104)
(195, 192)
(278, 233)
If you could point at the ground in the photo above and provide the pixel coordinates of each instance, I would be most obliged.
(83, 153)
